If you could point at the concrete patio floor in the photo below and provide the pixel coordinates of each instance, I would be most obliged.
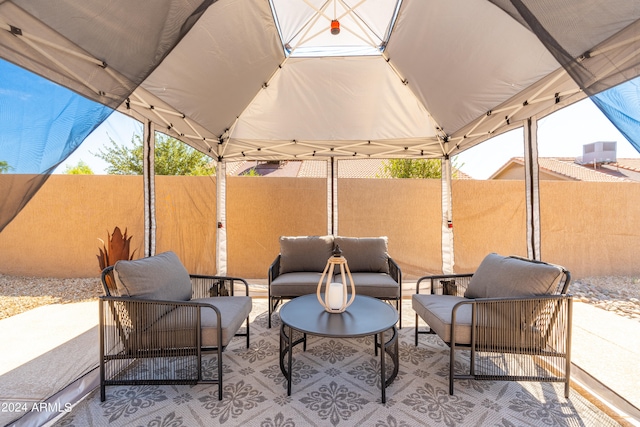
(59, 343)
(607, 346)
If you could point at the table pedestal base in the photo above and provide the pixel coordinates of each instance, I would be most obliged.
(389, 347)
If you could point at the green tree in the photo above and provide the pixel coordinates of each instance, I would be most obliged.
(4, 166)
(80, 169)
(417, 168)
(412, 168)
(172, 157)
(251, 172)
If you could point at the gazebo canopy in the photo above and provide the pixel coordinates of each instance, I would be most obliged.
(266, 79)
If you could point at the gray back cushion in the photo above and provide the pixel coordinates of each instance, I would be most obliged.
(501, 276)
(365, 254)
(161, 277)
(305, 253)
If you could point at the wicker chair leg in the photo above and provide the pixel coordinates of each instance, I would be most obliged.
(103, 394)
(219, 372)
(567, 371)
(452, 359)
(452, 352)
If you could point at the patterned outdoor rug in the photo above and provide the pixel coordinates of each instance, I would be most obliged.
(336, 382)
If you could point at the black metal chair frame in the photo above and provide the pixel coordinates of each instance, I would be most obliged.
(555, 320)
(114, 316)
(274, 301)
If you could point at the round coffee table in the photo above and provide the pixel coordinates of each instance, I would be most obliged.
(366, 316)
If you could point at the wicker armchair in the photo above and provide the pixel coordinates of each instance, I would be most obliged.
(156, 321)
(513, 316)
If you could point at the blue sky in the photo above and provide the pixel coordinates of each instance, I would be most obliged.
(118, 127)
(561, 134)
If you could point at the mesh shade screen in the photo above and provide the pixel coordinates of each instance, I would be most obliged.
(621, 105)
(42, 124)
(602, 59)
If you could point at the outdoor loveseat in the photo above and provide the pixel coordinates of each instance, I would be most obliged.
(513, 315)
(156, 320)
(298, 267)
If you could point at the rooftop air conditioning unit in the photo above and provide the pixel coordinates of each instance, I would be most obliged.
(598, 153)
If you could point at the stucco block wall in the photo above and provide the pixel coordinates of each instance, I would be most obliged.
(590, 228)
(186, 220)
(260, 210)
(407, 211)
(488, 216)
(57, 232)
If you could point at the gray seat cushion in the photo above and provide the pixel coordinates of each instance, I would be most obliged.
(234, 311)
(501, 276)
(305, 253)
(436, 311)
(365, 254)
(159, 277)
(177, 328)
(377, 285)
(295, 284)
(500, 327)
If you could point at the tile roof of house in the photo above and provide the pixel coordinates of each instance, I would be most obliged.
(568, 167)
(236, 168)
(360, 168)
(273, 169)
(313, 169)
(624, 170)
(630, 167)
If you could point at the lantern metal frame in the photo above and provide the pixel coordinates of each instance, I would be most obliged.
(327, 277)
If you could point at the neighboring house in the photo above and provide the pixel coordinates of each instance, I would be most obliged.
(360, 168)
(566, 169)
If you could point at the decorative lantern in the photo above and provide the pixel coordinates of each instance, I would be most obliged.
(335, 293)
(335, 27)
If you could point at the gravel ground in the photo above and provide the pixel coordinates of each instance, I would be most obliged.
(19, 294)
(620, 294)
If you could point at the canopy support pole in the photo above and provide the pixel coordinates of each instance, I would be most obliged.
(221, 218)
(332, 197)
(532, 187)
(148, 176)
(447, 218)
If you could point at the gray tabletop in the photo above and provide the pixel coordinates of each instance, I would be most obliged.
(366, 316)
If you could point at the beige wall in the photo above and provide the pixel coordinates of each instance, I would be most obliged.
(591, 228)
(57, 232)
(488, 216)
(186, 220)
(260, 210)
(407, 211)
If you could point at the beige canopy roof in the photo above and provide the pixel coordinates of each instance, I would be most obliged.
(259, 79)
